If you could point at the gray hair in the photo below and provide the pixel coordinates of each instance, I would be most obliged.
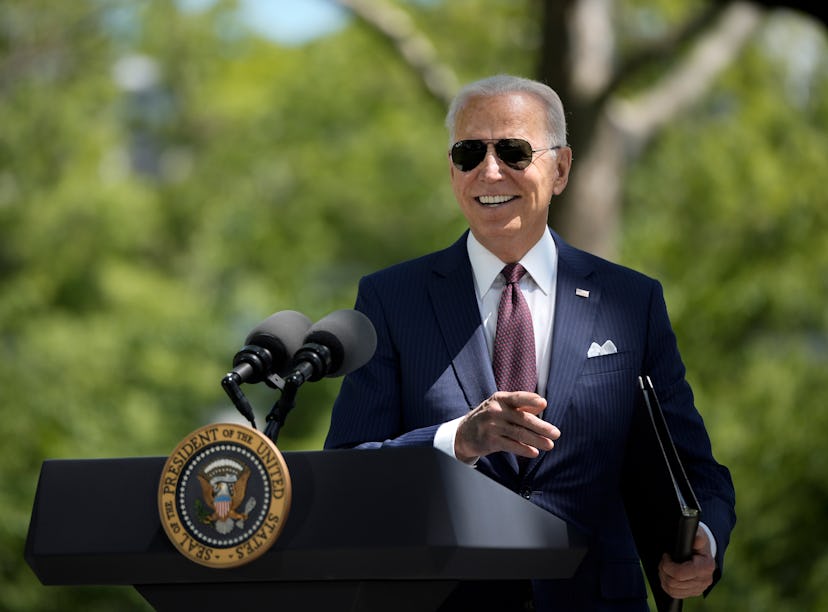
(504, 84)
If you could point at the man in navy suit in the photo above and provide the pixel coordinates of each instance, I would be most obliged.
(597, 328)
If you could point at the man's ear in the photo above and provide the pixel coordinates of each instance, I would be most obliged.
(563, 163)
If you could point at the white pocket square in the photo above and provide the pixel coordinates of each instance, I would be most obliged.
(596, 350)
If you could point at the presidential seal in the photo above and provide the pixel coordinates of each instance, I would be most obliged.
(224, 495)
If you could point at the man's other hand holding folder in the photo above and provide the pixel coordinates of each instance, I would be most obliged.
(676, 550)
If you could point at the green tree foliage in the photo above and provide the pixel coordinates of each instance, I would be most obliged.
(167, 180)
(729, 211)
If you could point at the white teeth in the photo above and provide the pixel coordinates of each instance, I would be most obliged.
(494, 199)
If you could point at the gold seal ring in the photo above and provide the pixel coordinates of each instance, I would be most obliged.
(224, 495)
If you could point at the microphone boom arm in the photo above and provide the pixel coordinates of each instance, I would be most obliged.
(312, 362)
(230, 384)
(277, 415)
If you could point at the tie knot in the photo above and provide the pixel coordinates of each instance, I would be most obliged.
(512, 273)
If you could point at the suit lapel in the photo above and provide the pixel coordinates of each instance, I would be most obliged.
(451, 288)
(577, 298)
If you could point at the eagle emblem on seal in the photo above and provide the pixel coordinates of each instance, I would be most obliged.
(223, 489)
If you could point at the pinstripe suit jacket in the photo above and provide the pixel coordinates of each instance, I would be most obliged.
(432, 365)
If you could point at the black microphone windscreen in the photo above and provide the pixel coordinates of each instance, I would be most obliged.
(349, 335)
(282, 335)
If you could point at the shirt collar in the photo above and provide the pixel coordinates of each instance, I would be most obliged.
(541, 262)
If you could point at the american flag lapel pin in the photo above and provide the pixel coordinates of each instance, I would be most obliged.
(582, 293)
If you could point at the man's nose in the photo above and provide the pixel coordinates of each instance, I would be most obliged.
(490, 166)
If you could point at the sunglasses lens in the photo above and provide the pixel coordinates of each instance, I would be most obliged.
(516, 153)
(467, 154)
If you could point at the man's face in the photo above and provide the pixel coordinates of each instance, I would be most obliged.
(507, 208)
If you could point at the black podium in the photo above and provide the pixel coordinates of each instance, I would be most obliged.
(367, 530)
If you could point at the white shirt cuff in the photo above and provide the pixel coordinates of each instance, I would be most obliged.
(710, 537)
(444, 439)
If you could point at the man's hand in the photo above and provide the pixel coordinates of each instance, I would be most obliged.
(691, 578)
(507, 421)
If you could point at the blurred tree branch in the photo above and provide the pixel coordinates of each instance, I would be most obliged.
(665, 46)
(578, 59)
(713, 52)
(411, 44)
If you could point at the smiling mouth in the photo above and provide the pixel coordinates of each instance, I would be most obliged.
(494, 200)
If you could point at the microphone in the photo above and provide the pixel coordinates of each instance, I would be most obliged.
(336, 345)
(269, 347)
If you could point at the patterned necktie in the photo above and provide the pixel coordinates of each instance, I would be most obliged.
(513, 358)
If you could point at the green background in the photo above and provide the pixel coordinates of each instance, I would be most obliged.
(147, 224)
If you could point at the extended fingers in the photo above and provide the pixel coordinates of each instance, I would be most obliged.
(521, 410)
(507, 422)
(529, 440)
(528, 429)
(524, 401)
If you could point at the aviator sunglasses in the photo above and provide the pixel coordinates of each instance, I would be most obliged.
(516, 153)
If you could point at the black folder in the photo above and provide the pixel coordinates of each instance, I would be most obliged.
(662, 507)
